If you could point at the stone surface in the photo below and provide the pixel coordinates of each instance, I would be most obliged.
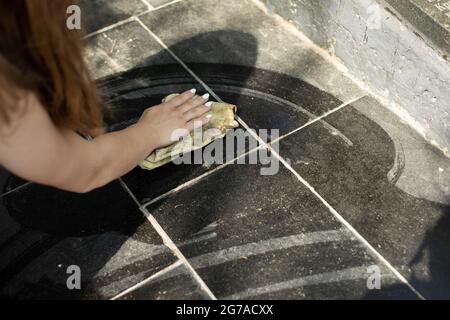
(159, 3)
(44, 231)
(177, 284)
(4, 174)
(359, 181)
(430, 17)
(264, 236)
(98, 14)
(9, 182)
(423, 170)
(123, 48)
(238, 33)
(246, 234)
(129, 94)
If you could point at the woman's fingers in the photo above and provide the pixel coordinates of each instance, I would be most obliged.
(198, 111)
(194, 102)
(198, 122)
(183, 98)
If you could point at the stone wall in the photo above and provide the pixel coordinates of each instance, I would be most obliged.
(386, 54)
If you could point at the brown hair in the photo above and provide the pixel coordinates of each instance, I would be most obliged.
(42, 55)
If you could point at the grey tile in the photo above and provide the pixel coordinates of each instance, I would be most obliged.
(177, 284)
(97, 14)
(358, 176)
(242, 231)
(239, 33)
(102, 232)
(4, 174)
(425, 169)
(159, 3)
(9, 182)
(122, 48)
(342, 290)
(266, 99)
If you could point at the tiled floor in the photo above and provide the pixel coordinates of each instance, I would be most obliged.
(355, 188)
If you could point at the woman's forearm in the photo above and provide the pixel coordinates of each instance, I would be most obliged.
(99, 161)
(119, 152)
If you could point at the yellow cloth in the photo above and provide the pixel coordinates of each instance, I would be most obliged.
(222, 119)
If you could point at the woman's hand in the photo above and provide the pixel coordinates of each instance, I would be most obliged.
(184, 112)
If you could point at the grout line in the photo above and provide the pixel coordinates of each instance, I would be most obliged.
(343, 221)
(152, 277)
(303, 181)
(197, 179)
(171, 245)
(332, 210)
(15, 189)
(149, 6)
(166, 5)
(168, 242)
(129, 19)
(348, 225)
(326, 114)
(385, 101)
(210, 91)
(111, 26)
(130, 193)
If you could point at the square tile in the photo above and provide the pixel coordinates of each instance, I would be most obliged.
(122, 48)
(240, 33)
(102, 232)
(250, 236)
(356, 170)
(97, 14)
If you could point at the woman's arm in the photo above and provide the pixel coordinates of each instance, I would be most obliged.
(34, 149)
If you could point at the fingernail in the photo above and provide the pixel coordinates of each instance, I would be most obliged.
(205, 96)
(209, 104)
(208, 116)
(193, 90)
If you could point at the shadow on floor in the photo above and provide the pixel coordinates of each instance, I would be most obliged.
(431, 265)
(60, 215)
(48, 217)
